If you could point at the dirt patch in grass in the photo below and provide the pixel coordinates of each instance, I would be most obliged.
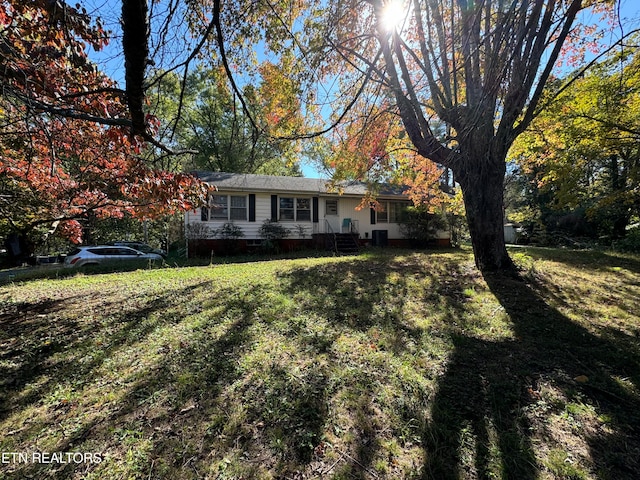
(393, 364)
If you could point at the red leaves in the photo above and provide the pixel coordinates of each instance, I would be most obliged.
(77, 168)
(71, 229)
(61, 168)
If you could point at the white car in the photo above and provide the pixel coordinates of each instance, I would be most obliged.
(141, 247)
(107, 254)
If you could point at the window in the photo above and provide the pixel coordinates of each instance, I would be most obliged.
(332, 207)
(382, 216)
(225, 208)
(100, 251)
(287, 211)
(303, 209)
(398, 211)
(122, 251)
(238, 209)
(394, 212)
(295, 209)
(218, 208)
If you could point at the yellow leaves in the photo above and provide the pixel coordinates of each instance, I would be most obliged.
(278, 96)
(424, 184)
(369, 146)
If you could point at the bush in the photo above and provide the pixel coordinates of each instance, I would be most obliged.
(197, 231)
(271, 232)
(230, 233)
(629, 243)
(420, 227)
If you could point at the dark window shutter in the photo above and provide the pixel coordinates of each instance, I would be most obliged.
(373, 216)
(274, 208)
(204, 214)
(314, 210)
(252, 207)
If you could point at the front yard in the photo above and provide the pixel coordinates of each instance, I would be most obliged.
(392, 364)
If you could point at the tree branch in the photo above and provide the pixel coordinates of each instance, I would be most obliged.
(580, 73)
(98, 91)
(529, 114)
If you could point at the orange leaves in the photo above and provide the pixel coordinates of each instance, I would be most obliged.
(423, 180)
(70, 229)
(588, 38)
(62, 167)
(5, 19)
(367, 145)
(44, 57)
(74, 168)
(375, 148)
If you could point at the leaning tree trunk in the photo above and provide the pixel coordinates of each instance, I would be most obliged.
(483, 191)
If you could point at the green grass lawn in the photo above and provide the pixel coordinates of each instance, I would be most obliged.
(392, 364)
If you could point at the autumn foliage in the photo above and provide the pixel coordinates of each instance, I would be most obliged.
(375, 149)
(66, 150)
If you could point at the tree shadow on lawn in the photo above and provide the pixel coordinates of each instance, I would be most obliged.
(177, 414)
(616, 280)
(211, 400)
(591, 259)
(479, 423)
(35, 335)
(366, 300)
(489, 386)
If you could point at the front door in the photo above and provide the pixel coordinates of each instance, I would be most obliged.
(331, 214)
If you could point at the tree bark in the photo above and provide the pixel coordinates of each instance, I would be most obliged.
(483, 193)
(135, 35)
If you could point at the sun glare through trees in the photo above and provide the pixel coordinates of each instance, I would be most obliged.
(394, 14)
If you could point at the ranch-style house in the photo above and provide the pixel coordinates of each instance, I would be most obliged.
(312, 213)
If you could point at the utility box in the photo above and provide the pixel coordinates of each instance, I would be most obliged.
(379, 238)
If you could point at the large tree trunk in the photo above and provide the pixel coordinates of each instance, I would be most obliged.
(135, 35)
(483, 191)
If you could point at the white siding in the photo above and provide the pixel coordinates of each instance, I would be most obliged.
(347, 208)
(251, 229)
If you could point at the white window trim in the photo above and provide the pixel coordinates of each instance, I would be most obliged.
(229, 208)
(387, 209)
(295, 209)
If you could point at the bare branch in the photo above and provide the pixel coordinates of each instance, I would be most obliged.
(529, 114)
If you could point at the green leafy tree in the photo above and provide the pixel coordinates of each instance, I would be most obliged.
(582, 153)
(207, 119)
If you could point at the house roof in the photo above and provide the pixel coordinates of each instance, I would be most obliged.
(270, 183)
